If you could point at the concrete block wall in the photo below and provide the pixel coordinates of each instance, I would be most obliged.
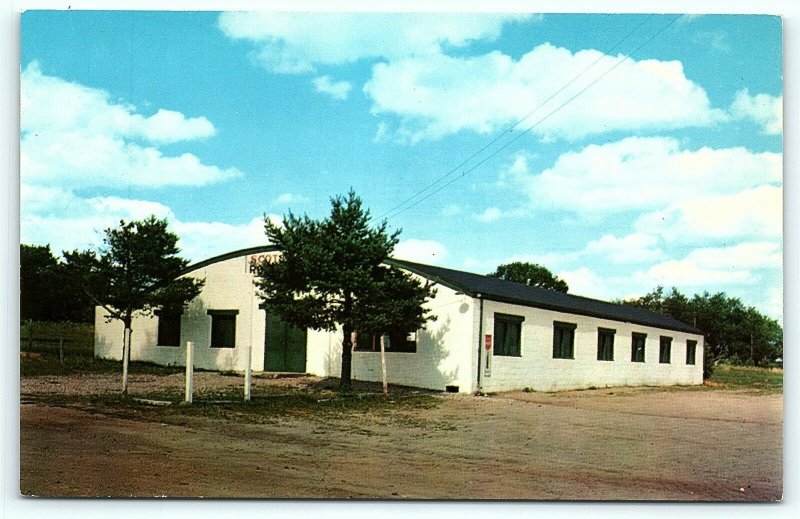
(443, 357)
(537, 369)
(228, 286)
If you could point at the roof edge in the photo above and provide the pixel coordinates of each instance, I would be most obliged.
(227, 256)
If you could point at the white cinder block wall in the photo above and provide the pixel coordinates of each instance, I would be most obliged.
(228, 286)
(443, 357)
(537, 369)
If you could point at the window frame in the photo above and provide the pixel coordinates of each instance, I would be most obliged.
(216, 317)
(563, 327)
(507, 323)
(691, 352)
(636, 336)
(665, 349)
(371, 342)
(172, 317)
(601, 334)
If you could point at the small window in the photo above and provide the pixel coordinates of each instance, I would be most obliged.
(169, 328)
(665, 350)
(637, 347)
(397, 342)
(564, 340)
(691, 349)
(605, 344)
(508, 335)
(223, 328)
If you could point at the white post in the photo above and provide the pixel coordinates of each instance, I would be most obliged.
(189, 371)
(126, 357)
(383, 367)
(248, 373)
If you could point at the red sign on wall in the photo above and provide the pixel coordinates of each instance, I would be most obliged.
(487, 342)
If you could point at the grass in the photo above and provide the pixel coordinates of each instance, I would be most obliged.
(746, 377)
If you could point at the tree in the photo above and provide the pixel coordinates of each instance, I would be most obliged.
(136, 272)
(531, 274)
(47, 291)
(331, 273)
(733, 331)
(37, 281)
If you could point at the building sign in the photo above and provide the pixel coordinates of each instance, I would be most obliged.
(255, 260)
(487, 343)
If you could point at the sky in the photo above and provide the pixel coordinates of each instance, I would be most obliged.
(622, 152)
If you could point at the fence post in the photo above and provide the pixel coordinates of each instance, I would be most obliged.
(248, 373)
(189, 371)
(30, 334)
(61, 350)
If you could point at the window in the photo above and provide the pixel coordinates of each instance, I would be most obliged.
(691, 348)
(564, 340)
(397, 342)
(223, 328)
(664, 352)
(508, 335)
(637, 347)
(169, 328)
(605, 344)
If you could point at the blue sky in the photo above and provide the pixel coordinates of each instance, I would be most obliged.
(653, 150)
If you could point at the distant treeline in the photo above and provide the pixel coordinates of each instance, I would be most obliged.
(734, 333)
(47, 291)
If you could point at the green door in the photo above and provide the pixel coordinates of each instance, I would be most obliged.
(284, 346)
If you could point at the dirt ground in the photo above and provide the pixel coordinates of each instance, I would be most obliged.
(618, 444)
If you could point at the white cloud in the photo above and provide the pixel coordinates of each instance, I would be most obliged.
(422, 251)
(743, 256)
(66, 221)
(436, 95)
(451, 210)
(75, 135)
(634, 248)
(764, 109)
(336, 89)
(756, 212)
(290, 198)
(683, 273)
(646, 173)
(300, 42)
(490, 214)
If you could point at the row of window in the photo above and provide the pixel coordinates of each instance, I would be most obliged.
(223, 328)
(508, 341)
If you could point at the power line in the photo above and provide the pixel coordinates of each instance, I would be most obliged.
(394, 211)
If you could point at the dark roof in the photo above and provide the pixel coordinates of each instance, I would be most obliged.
(500, 290)
(503, 291)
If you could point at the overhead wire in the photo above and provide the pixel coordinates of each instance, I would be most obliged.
(397, 209)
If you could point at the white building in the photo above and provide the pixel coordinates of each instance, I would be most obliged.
(489, 335)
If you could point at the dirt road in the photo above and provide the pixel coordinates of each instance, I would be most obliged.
(630, 444)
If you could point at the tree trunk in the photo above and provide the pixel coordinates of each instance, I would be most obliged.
(126, 354)
(347, 357)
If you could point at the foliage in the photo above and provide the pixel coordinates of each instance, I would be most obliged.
(47, 291)
(531, 274)
(331, 273)
(731, 329)
(747, 377)
(135, 273)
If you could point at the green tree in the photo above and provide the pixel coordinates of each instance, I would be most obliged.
(38, 274)
(733, 331)
(531, 274)
(47, 291)
(331, 274)
(136, 272)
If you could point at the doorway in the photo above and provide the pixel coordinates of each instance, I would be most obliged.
(284, 346)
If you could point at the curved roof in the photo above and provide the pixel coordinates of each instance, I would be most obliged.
(229, 255)
(501, 290)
